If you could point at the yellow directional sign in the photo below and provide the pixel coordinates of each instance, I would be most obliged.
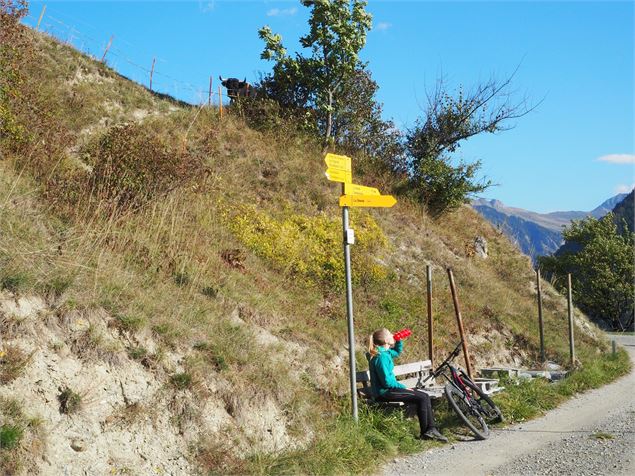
(340, 162)
(338, 175)
(385, 201)
(354, 189)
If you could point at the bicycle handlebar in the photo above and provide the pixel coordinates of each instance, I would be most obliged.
(436, 372)
(453, 354)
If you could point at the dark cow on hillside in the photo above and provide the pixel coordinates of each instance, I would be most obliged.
(237, 88)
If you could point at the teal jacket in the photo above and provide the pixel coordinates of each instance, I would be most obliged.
(382, 377)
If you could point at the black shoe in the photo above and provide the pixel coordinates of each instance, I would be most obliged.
(434, 434)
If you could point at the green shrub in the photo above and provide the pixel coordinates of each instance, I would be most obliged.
(214, 354)
(10, 436)
(129, 323)
(310, 247)
(182, 278)
(181, 380)
(132, 164)
(69, 400)
(57, 284)
(209, 291)
(137, 353)
(14, 282)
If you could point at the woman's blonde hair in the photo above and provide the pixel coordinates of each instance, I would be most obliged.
(379, 337)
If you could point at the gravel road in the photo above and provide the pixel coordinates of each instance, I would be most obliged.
(592, 434)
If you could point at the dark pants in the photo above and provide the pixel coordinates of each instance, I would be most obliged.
(414, 397)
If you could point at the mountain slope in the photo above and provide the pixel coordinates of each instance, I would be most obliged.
(171, 282)
(536, 234)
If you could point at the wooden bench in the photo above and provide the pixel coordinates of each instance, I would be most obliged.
(407, 374)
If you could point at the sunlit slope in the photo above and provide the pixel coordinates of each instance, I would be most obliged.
(213, 250)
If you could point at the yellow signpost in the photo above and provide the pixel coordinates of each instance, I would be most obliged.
(338, 162)
(383, 201)
(353, 189)
(340, 170)
(339, 175)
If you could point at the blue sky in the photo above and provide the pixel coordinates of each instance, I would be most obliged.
(571, 153)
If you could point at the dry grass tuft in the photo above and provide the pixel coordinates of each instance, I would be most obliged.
(13, 362)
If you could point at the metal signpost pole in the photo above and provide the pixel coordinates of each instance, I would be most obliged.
(349, 308)
(339, 169)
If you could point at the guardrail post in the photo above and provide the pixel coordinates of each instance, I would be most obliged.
(570, 315)
(540, 321)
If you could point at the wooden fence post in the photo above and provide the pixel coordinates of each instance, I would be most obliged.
(40, 19)
(540, 321)
(430, 322)
(209, 97)
(107, 48)
(152, 72)
(570, 315)
(459, 320)
(220, 101)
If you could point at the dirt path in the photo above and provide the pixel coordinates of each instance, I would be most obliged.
(560, 442)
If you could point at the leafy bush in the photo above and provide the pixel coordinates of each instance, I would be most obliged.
(10, 436)
(600, 260)
(132, 164)
(310, 247)
(441, 186)
(12, 57)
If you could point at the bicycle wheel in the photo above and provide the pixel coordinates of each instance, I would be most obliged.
(469, 416)
(488, 409)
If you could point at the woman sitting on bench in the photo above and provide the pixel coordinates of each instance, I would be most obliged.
(385, 388)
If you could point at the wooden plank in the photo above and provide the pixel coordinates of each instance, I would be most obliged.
(412, 382)
(412, 367)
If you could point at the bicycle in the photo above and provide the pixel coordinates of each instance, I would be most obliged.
(470, 403)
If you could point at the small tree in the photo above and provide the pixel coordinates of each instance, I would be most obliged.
(337, 34)
(600, 260)
(449, 120)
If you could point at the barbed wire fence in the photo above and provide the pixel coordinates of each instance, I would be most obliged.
(115, 52)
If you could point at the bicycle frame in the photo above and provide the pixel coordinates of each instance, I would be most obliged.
(454, 377)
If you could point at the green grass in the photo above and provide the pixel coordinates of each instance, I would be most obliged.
(349, 447)
(181, 381)
(525, 399)
(601, 435)
(21, 439)
(10, 436)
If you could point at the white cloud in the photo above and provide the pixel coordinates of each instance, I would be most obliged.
(624, 188)
(206, 7)
(277, 12)
(382, 26)
(618, 158)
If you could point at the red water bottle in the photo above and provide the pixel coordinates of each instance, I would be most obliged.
(402, 334)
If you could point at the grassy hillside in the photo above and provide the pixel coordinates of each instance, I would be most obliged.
(206, 254)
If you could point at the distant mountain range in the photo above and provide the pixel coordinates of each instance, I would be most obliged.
(536, 234)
